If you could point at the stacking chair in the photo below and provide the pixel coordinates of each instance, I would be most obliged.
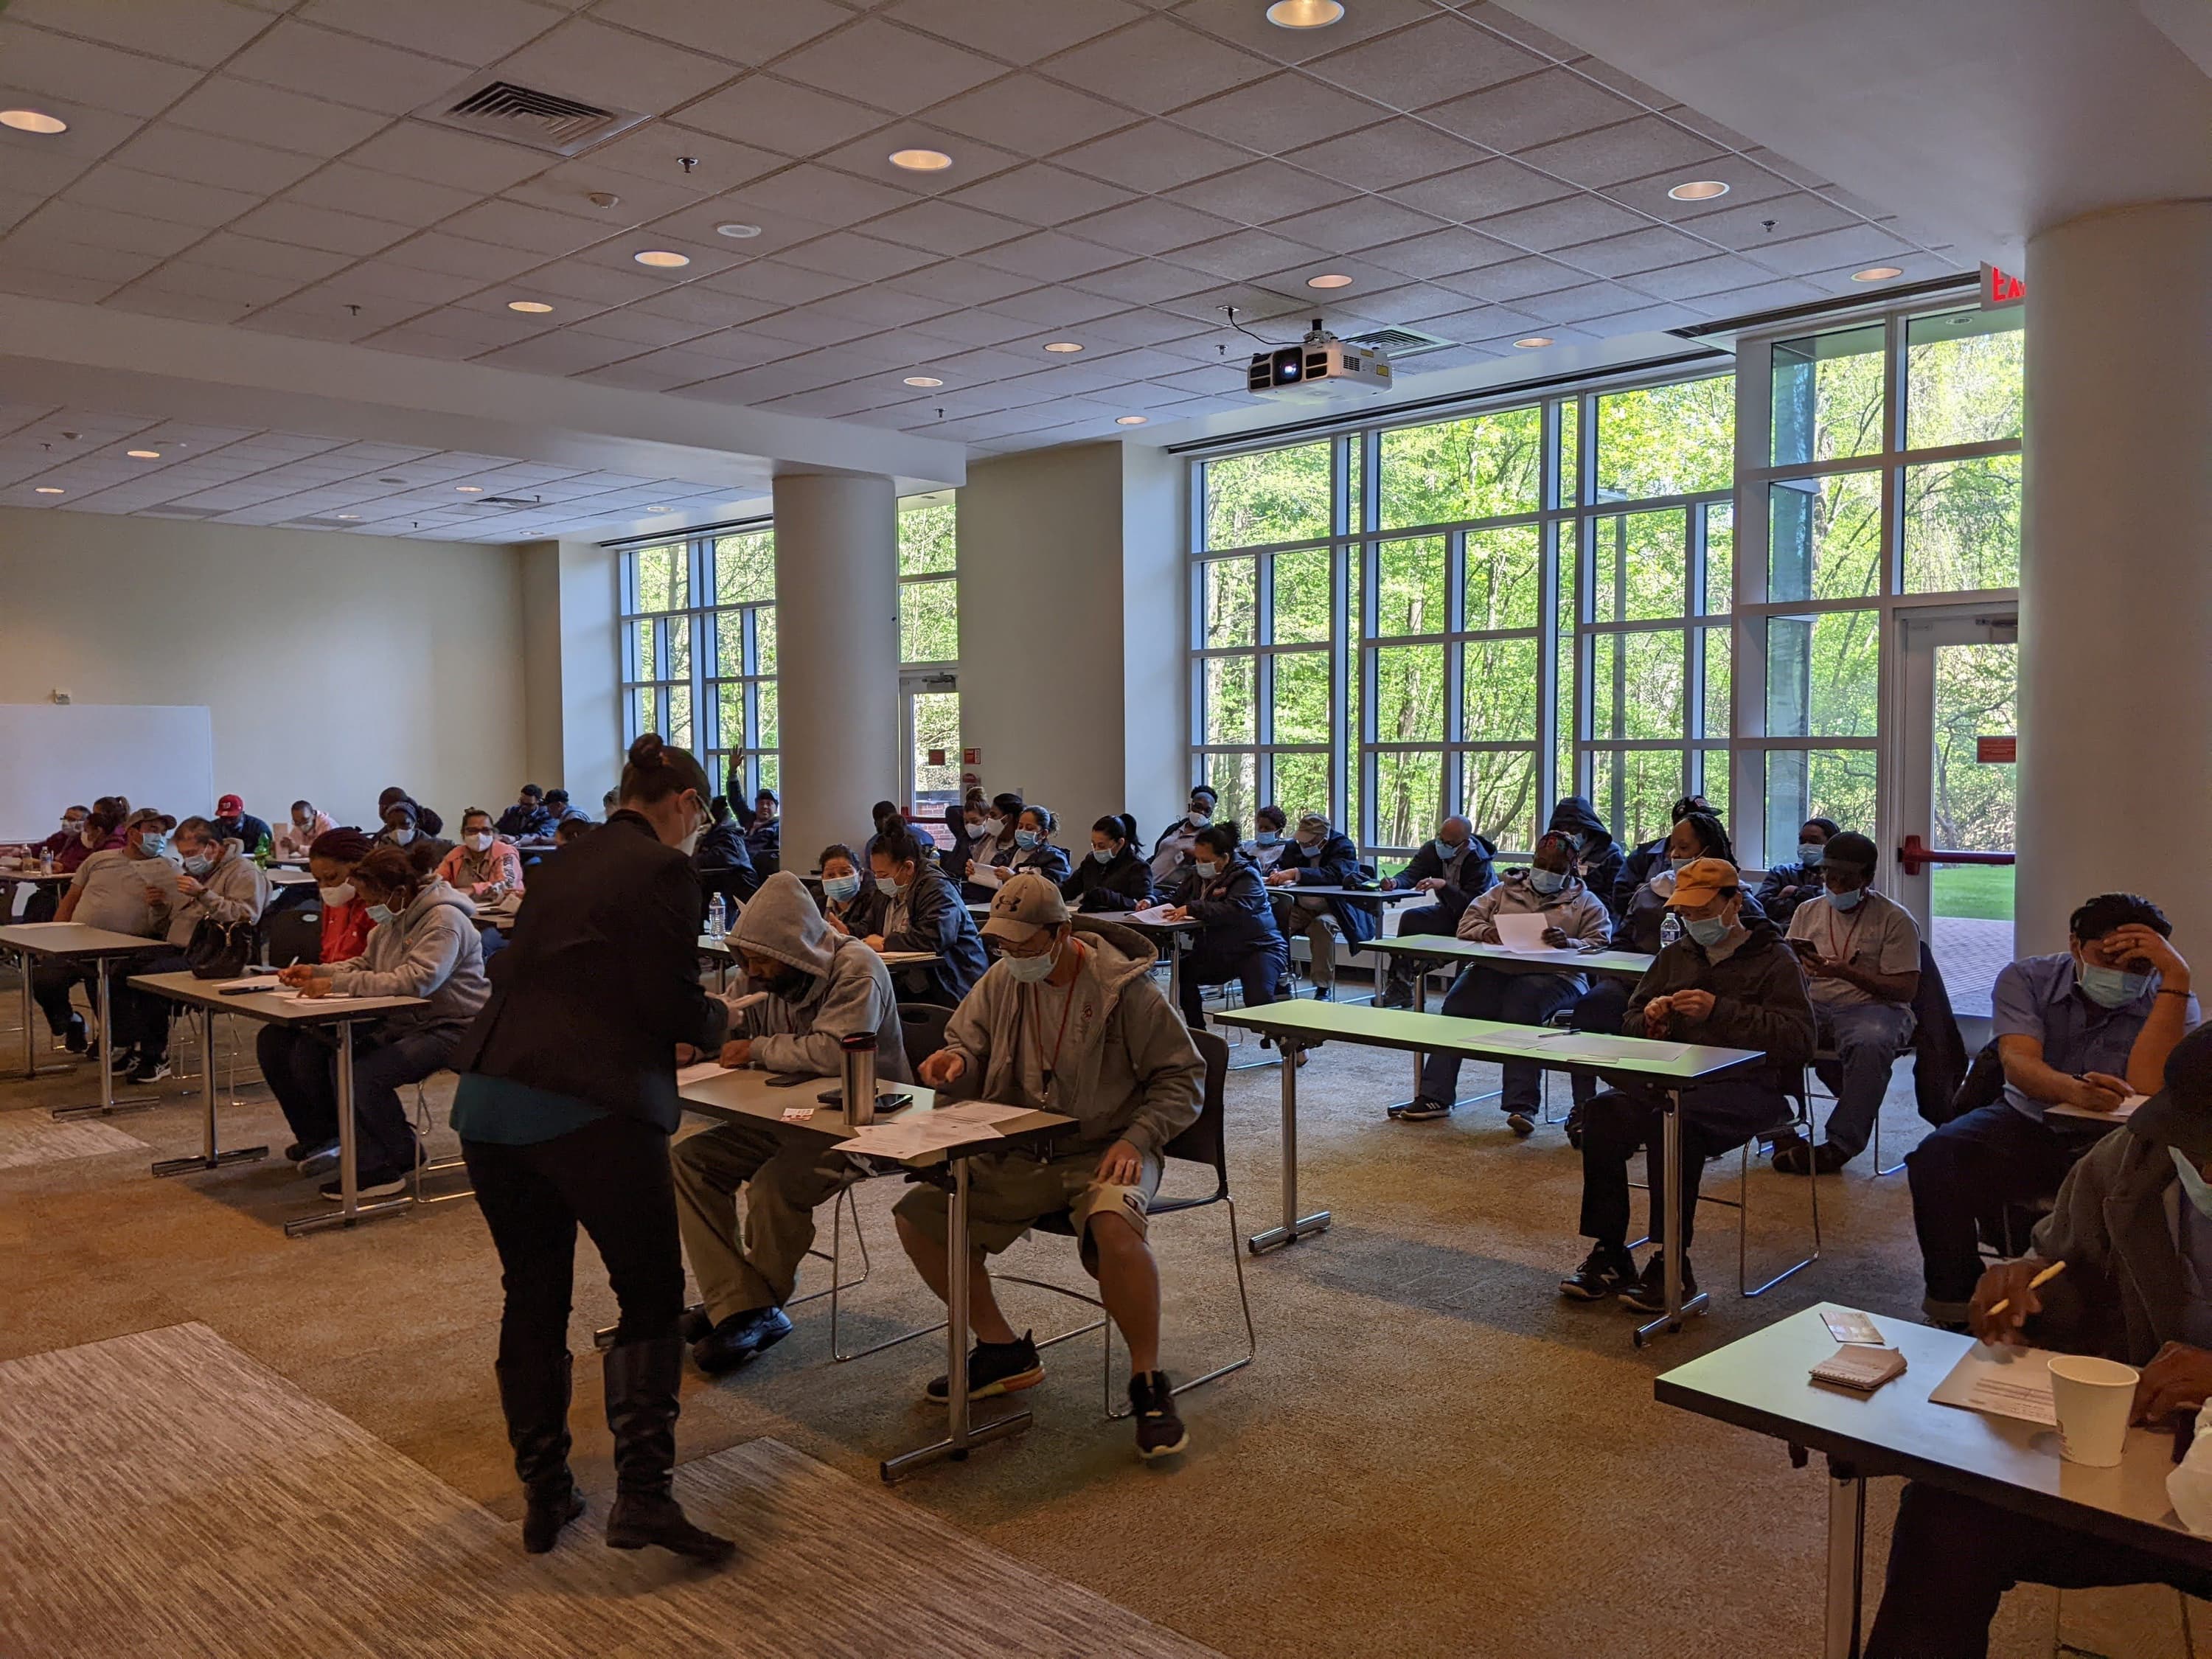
(1798, 1121)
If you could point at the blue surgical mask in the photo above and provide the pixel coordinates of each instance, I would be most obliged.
(1679, 864)
(2108, 988)
(2193, 1183)
(153, 845)
(1103, 854)
(843, 889)
(380, 914)
(1025, 839)
(1708, 930)
(1546, 881)
(1206, 872)
(1267, 838)
(197, 864)
(1444, 850)
(1030, 969)
(896, 890)
(1849, 901)
(1810, 853)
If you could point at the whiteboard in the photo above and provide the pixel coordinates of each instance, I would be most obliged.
(53, 755)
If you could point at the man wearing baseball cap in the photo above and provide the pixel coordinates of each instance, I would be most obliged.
(1320, 857)
(1729, 980)
(131, 888)
(233, 823)
(2133, 1223)
(1861, 953)
(1067, 1020)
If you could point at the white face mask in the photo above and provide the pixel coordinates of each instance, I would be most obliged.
(401, 836)
(1196, 819)
(480, 843)
(993, 828)
(341, 894)
(1030, 969)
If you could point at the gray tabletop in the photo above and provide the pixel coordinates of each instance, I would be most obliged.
(267, 1005)
(1381, 894)
(1620, 964)
(1759, 1382)
(746, 1095)
(56, 877)
(1314, 1023)
(74, 938)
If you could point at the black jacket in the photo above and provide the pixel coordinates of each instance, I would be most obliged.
(1759, 1000)
(1474, 875)
(1122, 883)
(1602, 864)
(1234, 910)
(937, 920)
(1043, 859)
(1335, 863)
(1805, 878)
(764, 844)
(723, 863)
(599, 981)
(1638, 923)
(248, 832)
(865, 916)
(520, 823)
(954, 857)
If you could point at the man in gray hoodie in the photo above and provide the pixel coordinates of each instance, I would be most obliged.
(1067, 1020)
(808, 988)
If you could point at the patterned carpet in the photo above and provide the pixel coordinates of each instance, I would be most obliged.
(162, 1493)
(27, 1139)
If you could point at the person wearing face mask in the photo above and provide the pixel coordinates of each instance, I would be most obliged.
(1644, 862)
(1598, 858)
(1729, 980)
(1453, 869)
(566, 1104)
(995, 849)
(1319, 857)
(425, 820)
(822, 986)
(2086, 1027)
(65, 849)
(212, 881)
(1789, 885)
(1068, 1020)
(1861, 953)
(1115, 876)
(1573, 916)
(1265, 849)
(233, 823)
(851, 904)
(924, 912)
(1172, 875)
(69, 834)
(108, 890)
(1034, 851)
(486, 865)
(302, 830)
(295, 1059)
(402, 829)
(2133, 1224)
(1239, 938)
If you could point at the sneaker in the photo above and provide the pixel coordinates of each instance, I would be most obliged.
(316, 1161)
(73, 1037)
(1395, 996)
(150, 1068)
(120, 1063)
(1421, 1109)
(1649, 1294)
(370, 1183)
(740, 1338)
(995, 1368)
(1521, 1123)
(1606, 1270)
(1160, 1432)
(1324, 993)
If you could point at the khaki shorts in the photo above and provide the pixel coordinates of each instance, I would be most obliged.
(1006, 1194)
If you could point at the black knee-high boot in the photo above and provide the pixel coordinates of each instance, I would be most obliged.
(534, 1396)
(641, 1380)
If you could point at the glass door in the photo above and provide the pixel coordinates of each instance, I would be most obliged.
(1958, 790)
(929, 714)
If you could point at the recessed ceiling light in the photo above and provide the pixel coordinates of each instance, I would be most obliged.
(1877, 273)
(1304, 14)
(349, 515)
(1533, 341)
(469, 490)
(1131, 420)
(923, 380)
(144, 454)
(740, 233)
(660, 509)
(1063, 346)
(1334, 279)
(1700, 190)
(920, 160)
(32, 120)
(535, 307)
(47, 489)
(661, 258)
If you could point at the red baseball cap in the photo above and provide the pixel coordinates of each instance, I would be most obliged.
(229, 806)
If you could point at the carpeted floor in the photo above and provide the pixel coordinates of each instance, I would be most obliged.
(1432, 1455)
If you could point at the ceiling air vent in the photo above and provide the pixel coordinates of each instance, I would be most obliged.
(540, 120)
(511, 503)
(1397, 343)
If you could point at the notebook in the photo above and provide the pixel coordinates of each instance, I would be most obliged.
(1863, 1370)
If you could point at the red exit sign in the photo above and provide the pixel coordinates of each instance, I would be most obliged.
(1996, 751)
(2002, 288)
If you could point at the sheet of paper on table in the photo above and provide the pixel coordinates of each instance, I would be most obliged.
(1522, 933)
(2119, 1114)
(704, 1070)
(983, 1113)
(988, 875)
(922, 1135)
(2012, 1382)
(261, 982)
(1154, 916)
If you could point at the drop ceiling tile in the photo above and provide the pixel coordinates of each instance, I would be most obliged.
(707, 257)
(1758, 225)
(1364, 221)
(228, 163)
(1412, 68)
(749, 34)
(93, 266)
(1247, 253)
(1514, 279)
(1018, 31)
(1621, 81)
(1861, 245)
(386, 291)
(695, 304)
(514, 224)
(1141, 327)
(345, 68)
(1247, 26)
(697, 223)
(1050, 257)
(315, 318)
(776, 114)
(1562, 223)
(1581, 304)
(69, 222)
(870, 158)
(244, 288)
(774, 280)
(654, 153)
(960, 329)
(960, 283)
(645, 331)
(1441, 253)
(232, 108)
(1156, 65)
(319, 227)
(1634, 150)
(476, 330)
(1697, 276)
(88, 73)
(1638, 251)
(584, 58)
(478, 32)
(1279, 114)
(460, 256)
(819, 195)
(1253, 303)
(945, 227)
(561, 352)
(874, 62)
(345, 188)
(1534, 110)
(881, 307)
(1031, 116)
(1151, 226)
(988, 363)
(172, 302)
(640, 374)
(747, 386)
(566, 188)
(1407, 304)
(198, 32)
(126, 189)
(863, 259)
(1260, 194)
(803, 326)
(414, 151)
(1144, 282)
(1064, 310)
(1386, 154)
(1474, 193)
(1154, 157)
(1040, 195)
(1648, 320)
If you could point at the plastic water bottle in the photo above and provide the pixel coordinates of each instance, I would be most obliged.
(1670, 929)
(718, 919)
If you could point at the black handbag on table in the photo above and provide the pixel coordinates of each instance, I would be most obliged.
(220, 950)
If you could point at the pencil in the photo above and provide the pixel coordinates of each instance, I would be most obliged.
(2035, 1284)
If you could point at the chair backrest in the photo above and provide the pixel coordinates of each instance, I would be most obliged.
(923, 1024)
(294, 933)
(1206, 1141)
(1940, 1064)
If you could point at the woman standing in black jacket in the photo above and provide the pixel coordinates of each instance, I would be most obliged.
(1241, 940)
(566, 1101)
(1116, 876)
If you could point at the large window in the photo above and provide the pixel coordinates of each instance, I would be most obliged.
(698, 644)
(929, 583)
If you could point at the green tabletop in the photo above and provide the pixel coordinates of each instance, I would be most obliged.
(1309, 1023)
(1443, 947)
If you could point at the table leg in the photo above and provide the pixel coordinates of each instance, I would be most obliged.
(108, 1105)
(1421, 1006)
(209, 1158)
(960, 1437)
(350, 1208)
(1294, 1226)
(1846, 1563)
(1175, 971)
(1670, 1136)
(31, 1067)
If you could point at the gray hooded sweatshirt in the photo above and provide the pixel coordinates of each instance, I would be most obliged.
(1574, 910)
(848, 989)
(431, 949)
(1127, 1069)
(236, 890)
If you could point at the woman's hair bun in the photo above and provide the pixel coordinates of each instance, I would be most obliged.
(646, 750)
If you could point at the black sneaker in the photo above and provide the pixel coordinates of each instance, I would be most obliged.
(369, 1183)
(121, 1062)
(694, 1324)
(995, 1368)
(1160, 1432)
(1606, 1270)
(1323, 993)
(318, 1160)
(1421, 1109)
(1649, 1294)
(739, 1338)
(1395, 996)
(150, 1068)
(73, 1037)
(1521, 1123)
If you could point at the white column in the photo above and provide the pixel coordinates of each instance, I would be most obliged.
(2116, 576)
(837, 654)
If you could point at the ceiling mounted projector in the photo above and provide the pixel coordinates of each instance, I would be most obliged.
(1317, 368)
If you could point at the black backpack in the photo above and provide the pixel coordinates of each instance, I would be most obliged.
(220, 950)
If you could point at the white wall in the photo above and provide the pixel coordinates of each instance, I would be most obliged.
(332, 664)
(571, 684)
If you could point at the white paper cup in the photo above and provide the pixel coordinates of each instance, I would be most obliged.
(2094, 1398)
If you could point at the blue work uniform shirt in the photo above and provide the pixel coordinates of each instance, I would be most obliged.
(2039, 996)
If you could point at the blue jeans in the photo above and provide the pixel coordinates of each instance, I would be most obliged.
(1260, 972)
(1483, 992)
(1868, 1038)
(302, 1066)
